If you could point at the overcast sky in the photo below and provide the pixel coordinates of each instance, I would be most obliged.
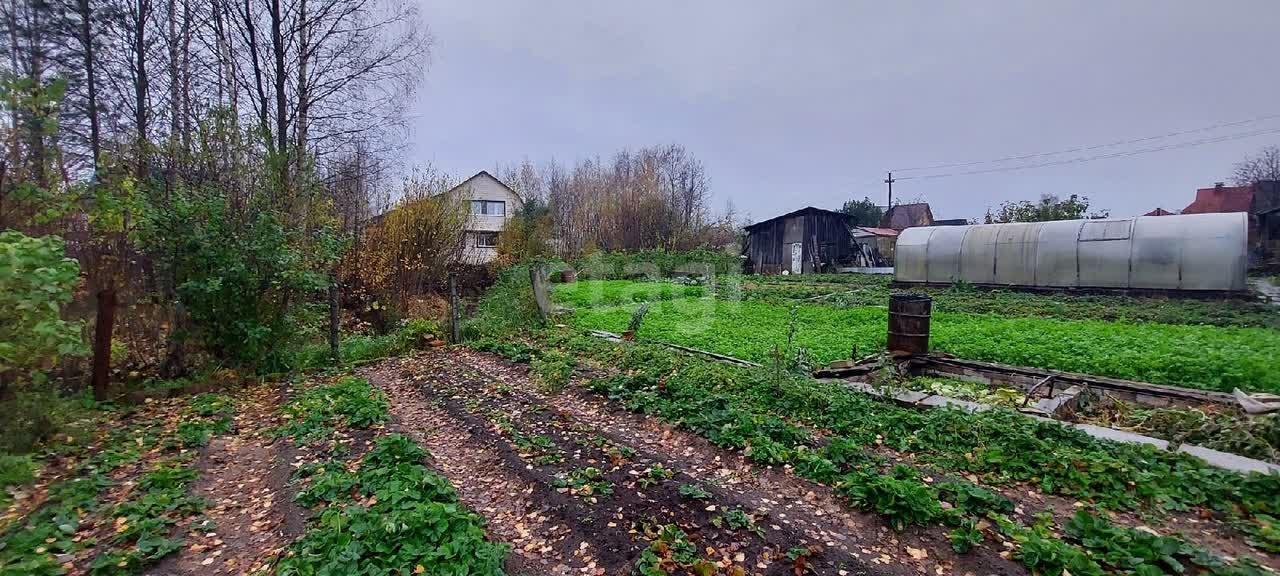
(801, 103)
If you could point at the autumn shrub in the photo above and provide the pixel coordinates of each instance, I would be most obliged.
(407, 251)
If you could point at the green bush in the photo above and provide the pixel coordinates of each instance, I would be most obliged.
(36, 281)
(249, 284)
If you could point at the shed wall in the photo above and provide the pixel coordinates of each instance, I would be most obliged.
(824, 238)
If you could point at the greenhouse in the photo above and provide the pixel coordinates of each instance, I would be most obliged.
(1193, 252)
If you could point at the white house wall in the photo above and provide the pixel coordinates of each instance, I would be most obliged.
(485, 187)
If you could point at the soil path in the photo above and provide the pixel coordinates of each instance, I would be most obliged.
(517, 456)
(244, 478)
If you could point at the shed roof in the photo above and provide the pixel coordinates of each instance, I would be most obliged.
(871, 231)
(1159, 212)
(903, 216)
(805, 210)
(1221, 199)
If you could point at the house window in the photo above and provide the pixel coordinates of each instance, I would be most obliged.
(488, 208)
(486, 239)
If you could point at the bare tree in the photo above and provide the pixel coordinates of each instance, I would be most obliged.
(1264, 166)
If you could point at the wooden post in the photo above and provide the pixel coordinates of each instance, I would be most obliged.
(538, 280)
(453, 308)
(333, 321)
(102, 342)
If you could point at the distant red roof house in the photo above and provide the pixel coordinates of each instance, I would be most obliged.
(903, 216)
(1159, 212)
(1221, 199)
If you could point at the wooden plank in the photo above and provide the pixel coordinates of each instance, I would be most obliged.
(1103, 382)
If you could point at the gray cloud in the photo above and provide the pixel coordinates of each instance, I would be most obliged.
(807, 103)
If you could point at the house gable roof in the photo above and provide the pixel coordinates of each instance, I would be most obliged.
(802, 211)
(903, 216)
(1221, 199)
(491, 177)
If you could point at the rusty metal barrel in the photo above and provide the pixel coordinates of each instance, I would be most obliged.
(909, 323)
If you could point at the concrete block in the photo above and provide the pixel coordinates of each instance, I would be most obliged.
(1228, 461)
(1120, 435)
(1051, 405)
(967, 406)
(909, 396)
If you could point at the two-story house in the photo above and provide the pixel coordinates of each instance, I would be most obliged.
(491, 204)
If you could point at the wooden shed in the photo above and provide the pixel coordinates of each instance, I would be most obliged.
(806, 241)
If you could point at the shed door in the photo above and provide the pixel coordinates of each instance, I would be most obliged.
(797, 261)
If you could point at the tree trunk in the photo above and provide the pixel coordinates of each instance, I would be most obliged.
(140, 86)
(282, 120)
(91, 81)
(102, 342)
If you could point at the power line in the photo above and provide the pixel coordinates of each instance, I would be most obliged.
(1088, 148)
(1202, 141)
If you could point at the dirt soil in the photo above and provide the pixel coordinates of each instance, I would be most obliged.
(578, 486)
(244, 478)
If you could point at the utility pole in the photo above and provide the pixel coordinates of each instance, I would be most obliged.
(890, 182)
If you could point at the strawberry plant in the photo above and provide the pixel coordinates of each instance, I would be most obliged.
(693, 492)
(654, 475)
(671, 552)
(901, 497)
(965, 537)
(584, 482)
(738, 519)
(406, 519)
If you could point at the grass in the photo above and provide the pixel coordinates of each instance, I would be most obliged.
(1208, 357)
(364, 347)
(862, 290)
(857, 290)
